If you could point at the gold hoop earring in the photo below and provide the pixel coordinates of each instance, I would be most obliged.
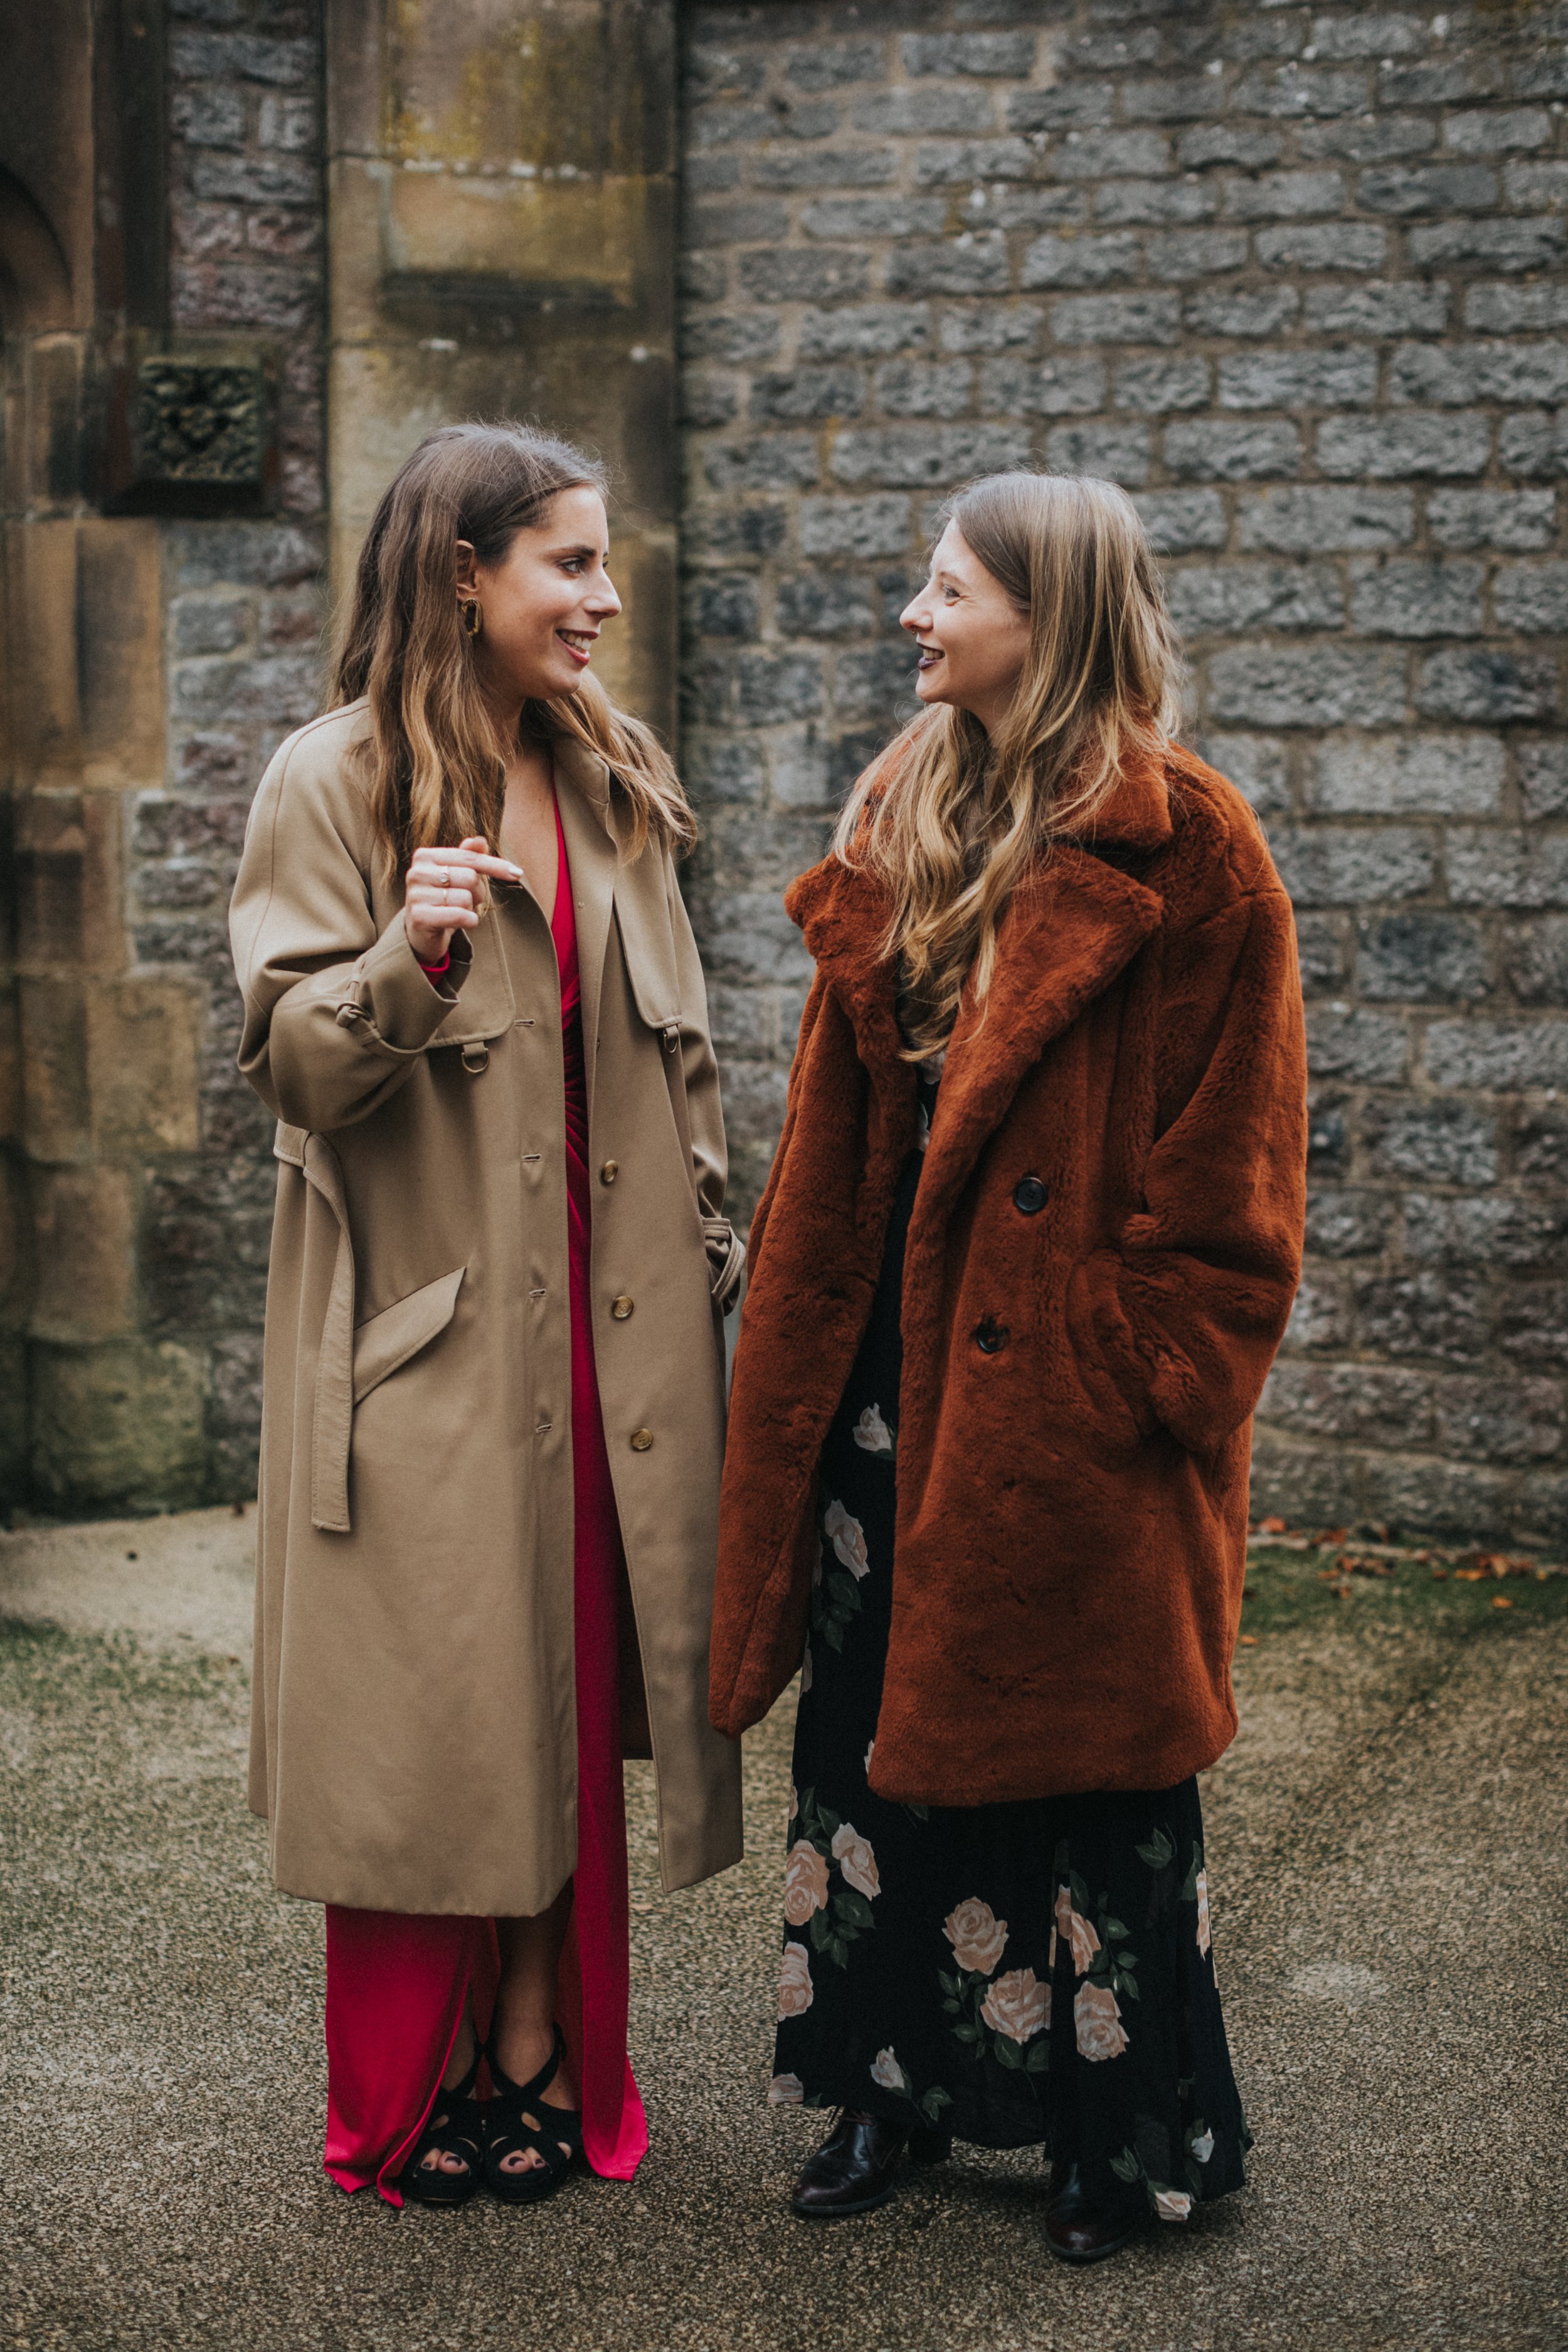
(473, 619)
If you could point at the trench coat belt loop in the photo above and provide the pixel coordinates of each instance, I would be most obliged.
(332, 1424)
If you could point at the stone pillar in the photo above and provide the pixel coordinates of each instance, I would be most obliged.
(502, 202)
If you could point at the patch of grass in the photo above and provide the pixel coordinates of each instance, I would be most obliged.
(1386, 1588)
(44, 1668)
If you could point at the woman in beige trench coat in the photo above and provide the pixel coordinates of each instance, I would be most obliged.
(436, 1685)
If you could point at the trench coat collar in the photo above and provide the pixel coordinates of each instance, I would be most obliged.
(1071, 928)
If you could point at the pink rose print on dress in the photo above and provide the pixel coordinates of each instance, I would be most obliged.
(978, 1937)
(847, 1538)
(785, 2091)
(1075, 1931)
(1172, 2204)
(855, 1858)
(872, 1431)
(806, 1884)
(1203, 1911)
(795, 1994)
(887, 2071)
(1097, 2020)
(1017, 2005)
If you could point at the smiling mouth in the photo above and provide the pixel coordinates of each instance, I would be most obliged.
(579, 643)
(929, 656)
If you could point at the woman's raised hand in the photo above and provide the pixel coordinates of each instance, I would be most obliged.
(444, 891)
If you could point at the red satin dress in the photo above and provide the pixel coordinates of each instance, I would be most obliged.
(397, 1982)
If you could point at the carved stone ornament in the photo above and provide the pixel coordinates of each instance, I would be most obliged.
(198, 421)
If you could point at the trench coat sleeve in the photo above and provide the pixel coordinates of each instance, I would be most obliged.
(335, 1015)
(1186, 1309)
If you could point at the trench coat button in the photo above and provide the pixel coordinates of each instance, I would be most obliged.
(1030, 1196)
(990, 1337)
(609, 1171)
(641, 1440)
(620, 1308)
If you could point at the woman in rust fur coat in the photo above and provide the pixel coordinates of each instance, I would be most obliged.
(1026, 1252)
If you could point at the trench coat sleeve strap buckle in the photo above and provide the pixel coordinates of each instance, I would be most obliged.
(332, 1424)
(726, 1250)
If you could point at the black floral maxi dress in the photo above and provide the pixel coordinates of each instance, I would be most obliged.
(1014, 1974)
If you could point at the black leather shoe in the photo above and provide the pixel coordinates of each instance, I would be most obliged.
(1082, 2227)
(856, 2168)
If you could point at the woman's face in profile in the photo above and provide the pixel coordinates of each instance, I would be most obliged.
(973, 638)
(545, 603)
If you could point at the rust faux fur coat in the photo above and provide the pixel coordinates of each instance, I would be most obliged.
(1079, 1371)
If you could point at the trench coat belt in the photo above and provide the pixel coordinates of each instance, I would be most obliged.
(332, 1426)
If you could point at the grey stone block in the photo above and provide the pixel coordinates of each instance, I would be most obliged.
(1492, 866)
(1293, 90)
(1178, 521)
(1228, 143)
(1481, 684)
(1257, 765)
(1348, 1222)
(1233, 596)
(1416, 442)
(803, 274)
(1484, 1229)
(1330, 1142)
(1338, 867)
(995, 327)
(702, 276)
(1314, 519)
(925, 387)
(1513, 521)
(1322, 953)
(840, 217)
(1541, 1145)
(723, 604)
(824, 167)
(1082, 105)
(241, 555)
(798, 767)
(1378, 309)
(876, 686)
(1243, 310)
(1431, 1140)
(1178, 254)
(1159, 385)
(715, 70)
(209, 118)
(770, 687)
(1423, 959)
(1285, 196)
(1080, 261)
(1512, 1420)
(1533, 1325)
(1535, 446)
(1529, 184)
(1117, 319)
(824, 604)
(1544, 75)
(862, 527)
(1118, 453)
(1535, 960)
(241, 57)
(1496, 131)
(1214, 450)
(1376, 34)
(748, 220)
(745, 935)
(1157, 201)
(1009, 56)
(1173, 98)
(916, 456)
(1502, 244)
(895, 112)
(975, 263)
(1403, 189)
(722, 767)
(953, 163)
(1321, 1317)
(830, 65)
(1507, 309)
(1415, 596)
(1365, 1049)
(1328, 245)
(743, 851)
(209, 624)
(723, 126)
(1499, 1057)
(1332, 378)
(1531, 597)
(1009, 207)
(706, 398)
(1442, 82)
(1453, 374)
(1062, 387)
(778, 461)
(793, 394)
(744, 1020)
(1368, 138)
(283, 689)
(1544, 778)
(731, 335)
(1110, 155)
(1367, 1402)
(1111, 46)
(725, 533)
(1407, 776)
(863, 331)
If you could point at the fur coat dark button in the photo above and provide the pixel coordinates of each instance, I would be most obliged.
(1078, 1381)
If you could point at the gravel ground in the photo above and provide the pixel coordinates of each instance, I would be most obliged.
(1386, 1842)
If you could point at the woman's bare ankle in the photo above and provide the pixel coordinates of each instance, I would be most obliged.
(465, 2049)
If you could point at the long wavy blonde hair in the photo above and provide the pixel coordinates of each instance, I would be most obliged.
(435, 759)
(950, 820)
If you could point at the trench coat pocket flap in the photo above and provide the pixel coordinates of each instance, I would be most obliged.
(648, 945)
(385, 1341)
(726, 1260)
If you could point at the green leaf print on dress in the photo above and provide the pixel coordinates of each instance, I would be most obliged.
(889, 2075)
(834, 1595)
(1003, 2017)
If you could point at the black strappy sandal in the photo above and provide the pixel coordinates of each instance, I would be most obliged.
(456, 2127)
(517, 2119)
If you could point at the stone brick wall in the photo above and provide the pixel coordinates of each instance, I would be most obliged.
(1295, 278)
(243, 614)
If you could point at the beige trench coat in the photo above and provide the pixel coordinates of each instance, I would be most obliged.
(414, 1740)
